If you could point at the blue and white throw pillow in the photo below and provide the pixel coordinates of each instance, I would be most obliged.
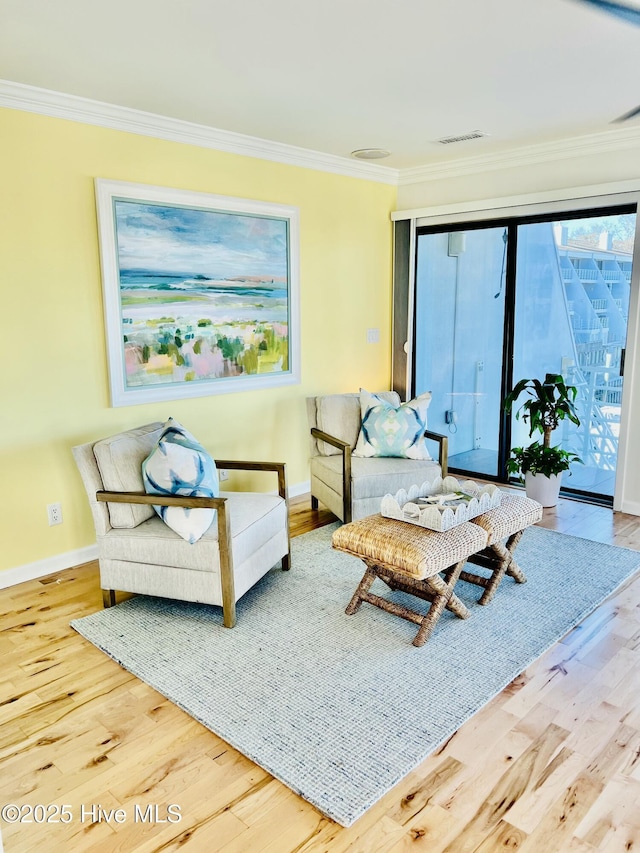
(388, 430)
(179, 465)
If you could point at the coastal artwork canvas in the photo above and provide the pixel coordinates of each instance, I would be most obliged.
(200, 292)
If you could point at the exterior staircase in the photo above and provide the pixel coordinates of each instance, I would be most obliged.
(597, 288)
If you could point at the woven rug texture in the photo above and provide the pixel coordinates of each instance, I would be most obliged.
(340, 708)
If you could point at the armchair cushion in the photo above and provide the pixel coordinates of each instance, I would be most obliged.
(339, 415)
(395, 431)
(119, 459)
(179, 465)
(373, 478)
(254, 519)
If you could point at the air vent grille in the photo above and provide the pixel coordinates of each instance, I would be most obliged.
(463, 137)
(370, 153)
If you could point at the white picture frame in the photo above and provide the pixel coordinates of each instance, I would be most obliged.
(200, 291)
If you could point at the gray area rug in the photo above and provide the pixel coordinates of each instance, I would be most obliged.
(340, 708)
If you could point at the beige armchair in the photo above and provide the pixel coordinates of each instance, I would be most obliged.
(351, 486)
(137, 551)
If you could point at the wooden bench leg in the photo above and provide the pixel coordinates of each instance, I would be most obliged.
(423, 589)
(501, 559)
(435, 589)
(363, 588)
(498, 558)
(513, 569)
(443, 590)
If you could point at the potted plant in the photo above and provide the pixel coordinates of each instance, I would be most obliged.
(541, 465)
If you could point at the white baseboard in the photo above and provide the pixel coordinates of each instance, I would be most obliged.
(297, 490)
(631, 507)
(300, 489)
(41, 568)
(58, 562)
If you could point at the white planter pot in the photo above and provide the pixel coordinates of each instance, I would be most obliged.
(543, 489)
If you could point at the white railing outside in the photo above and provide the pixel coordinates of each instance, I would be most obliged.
(588, 275)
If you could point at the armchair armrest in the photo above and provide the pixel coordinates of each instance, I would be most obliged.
(345, 448)
(443, 449)
(241, 465)
(280, 469)
(161, 500)
(331, 439)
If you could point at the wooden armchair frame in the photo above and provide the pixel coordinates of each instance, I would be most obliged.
(345, 449)
(224, 529)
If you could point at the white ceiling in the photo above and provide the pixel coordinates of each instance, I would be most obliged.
(337, 75)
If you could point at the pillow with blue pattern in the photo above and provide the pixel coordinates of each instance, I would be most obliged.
(388, 430)
(179, 465)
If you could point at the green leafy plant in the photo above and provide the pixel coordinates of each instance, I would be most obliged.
(538, 459)
(547, 404)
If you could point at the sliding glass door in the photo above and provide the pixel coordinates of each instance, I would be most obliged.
(460, 328)
(502, 301)
(572, 303)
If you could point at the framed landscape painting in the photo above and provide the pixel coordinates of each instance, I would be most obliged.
(200, 292)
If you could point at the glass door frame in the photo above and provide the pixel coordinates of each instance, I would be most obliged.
(504, 438)
(511, 224)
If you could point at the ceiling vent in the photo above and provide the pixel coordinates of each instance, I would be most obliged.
(370, 153)
(463, 137)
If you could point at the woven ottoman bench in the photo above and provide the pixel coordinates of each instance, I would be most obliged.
(411, 559)
(506, 522)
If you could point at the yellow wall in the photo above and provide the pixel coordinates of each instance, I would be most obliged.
(53, 380)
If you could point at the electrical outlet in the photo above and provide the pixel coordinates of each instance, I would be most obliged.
(54, 512)
(223, 474)
(373, 336)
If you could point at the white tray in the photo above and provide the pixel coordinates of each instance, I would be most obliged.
(437, 516)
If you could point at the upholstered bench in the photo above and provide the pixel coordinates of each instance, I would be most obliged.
(506, 522)
(411, 559)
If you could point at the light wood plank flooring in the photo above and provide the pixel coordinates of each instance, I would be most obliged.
(551, 764)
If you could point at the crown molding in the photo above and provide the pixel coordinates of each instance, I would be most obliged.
(19, 96)
(529, 155)
(33, 99)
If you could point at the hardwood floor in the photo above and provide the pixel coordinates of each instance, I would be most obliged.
(551, 764)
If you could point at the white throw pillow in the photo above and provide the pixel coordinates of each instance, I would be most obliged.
(389, 430)
(179, 465)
